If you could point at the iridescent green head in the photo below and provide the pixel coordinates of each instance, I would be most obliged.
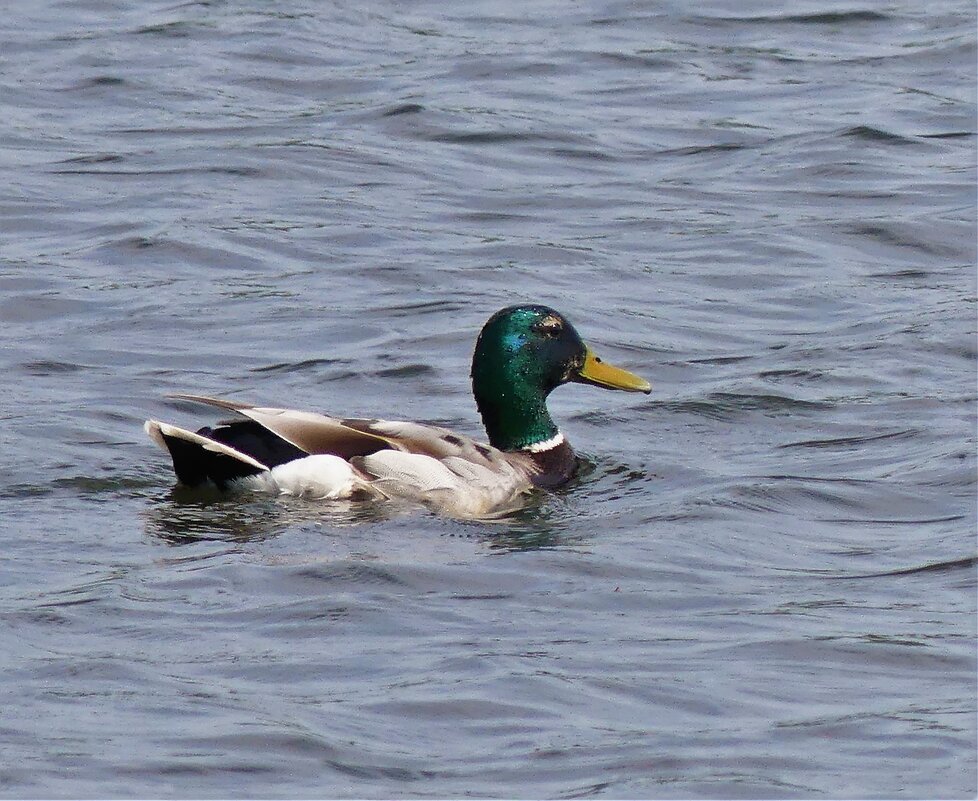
(522, 354)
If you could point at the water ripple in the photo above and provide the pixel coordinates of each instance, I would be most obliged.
(767, 212)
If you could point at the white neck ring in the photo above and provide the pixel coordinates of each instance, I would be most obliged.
(546, 445)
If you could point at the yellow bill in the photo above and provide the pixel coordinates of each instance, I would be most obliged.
(608, 376)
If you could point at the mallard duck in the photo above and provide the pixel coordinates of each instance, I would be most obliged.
(521, 355)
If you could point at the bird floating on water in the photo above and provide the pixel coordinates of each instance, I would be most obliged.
(521, 355)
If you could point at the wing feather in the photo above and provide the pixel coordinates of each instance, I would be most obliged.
(311, 432)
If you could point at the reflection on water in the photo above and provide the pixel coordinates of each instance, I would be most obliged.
(190, 515)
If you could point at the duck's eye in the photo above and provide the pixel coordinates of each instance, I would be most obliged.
(549, 327)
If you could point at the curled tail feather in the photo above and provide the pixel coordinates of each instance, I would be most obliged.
(198, 459)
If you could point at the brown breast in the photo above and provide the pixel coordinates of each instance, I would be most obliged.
(554, 465)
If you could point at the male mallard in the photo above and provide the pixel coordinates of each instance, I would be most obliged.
(522, 354)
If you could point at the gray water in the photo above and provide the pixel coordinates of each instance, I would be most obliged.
(764, 583)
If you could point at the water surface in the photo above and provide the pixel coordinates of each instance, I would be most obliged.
(763, 584)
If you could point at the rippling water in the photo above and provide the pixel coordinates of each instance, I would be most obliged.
(765, 582)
